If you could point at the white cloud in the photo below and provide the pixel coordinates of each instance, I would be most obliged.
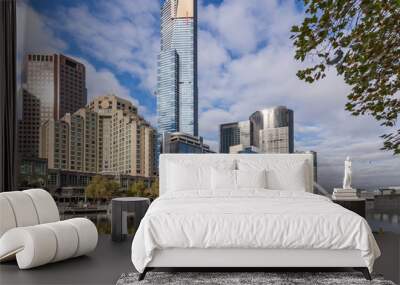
(257, 69)
(36, 34)
(33, 32)
(103, 81)
(123, 34)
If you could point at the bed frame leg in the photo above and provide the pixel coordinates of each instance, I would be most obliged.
(143, 274)
(364, 271)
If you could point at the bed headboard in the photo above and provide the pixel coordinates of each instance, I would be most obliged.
(210, 159)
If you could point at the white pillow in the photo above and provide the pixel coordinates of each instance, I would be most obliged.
(282, 174)
(185, 177)
(188, 175)
(223, 179)
(251, 178)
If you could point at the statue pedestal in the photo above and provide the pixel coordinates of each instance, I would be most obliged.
(344, 194)
(344, 190)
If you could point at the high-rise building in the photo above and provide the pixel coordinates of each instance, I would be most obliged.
(105, 106)
(183, 143)
(28, 126)
(107, 137)
(54, 143)
(53, 85)
(272, 130)
(231, 134)
(71, 143)
(57, 81)
(239, 148)
(131, 145)
(177, 91)
(83, 140)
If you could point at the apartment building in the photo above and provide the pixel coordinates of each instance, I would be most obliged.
(107, 137)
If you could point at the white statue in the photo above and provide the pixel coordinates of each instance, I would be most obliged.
(347, 174)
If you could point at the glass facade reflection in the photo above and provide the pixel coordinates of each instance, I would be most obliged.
(231, 134)
(177, 97)
(272, 130)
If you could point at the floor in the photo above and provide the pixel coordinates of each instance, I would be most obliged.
(110, 260)
(103, 266)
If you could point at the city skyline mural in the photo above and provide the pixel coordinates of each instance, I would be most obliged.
(245, 64)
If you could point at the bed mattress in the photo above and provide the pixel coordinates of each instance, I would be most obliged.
(250, 219)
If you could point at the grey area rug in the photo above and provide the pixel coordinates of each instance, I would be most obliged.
(228, 278)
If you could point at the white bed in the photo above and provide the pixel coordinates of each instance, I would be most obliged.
(280, 225)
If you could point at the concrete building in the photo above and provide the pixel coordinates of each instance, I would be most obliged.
(119, 116)
(83, 135)
(32, 173)
(239, 148)
(132, 145)
(231, 134)
(177, 91)
(272, 130)
(29, 125)
(105, 106)
(183, 143)
(54, 143)
(57, 81)
(53, 85)
(107, 137)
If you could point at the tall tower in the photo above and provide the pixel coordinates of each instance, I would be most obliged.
(177, 91)
(236, 133)
(53, 85)
(272, 130)
(57, 81)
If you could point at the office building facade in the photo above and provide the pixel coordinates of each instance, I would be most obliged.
(272, 130)
(54, 143)
(105, 106)
(239, 148)
(53, 85)
(132, 145)
(107, 137)
(57, 81)
(83, 140)
(183, 143)
(29, 125)
(231, 134)
(177, 90)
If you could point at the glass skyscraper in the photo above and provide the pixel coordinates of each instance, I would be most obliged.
(177, 92)
(272, 130)
(231, 134)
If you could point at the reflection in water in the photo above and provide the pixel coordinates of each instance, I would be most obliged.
(103, 221)
(386, 228)
(386, 222)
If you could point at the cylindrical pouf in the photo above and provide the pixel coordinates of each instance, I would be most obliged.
(7, 218)
(23, 207)
(87, 235)
(45, 205)
(67, 239)
(34, 246)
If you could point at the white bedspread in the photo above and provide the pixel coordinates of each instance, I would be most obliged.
(250, 219)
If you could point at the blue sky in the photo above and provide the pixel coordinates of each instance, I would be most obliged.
(245, 63)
